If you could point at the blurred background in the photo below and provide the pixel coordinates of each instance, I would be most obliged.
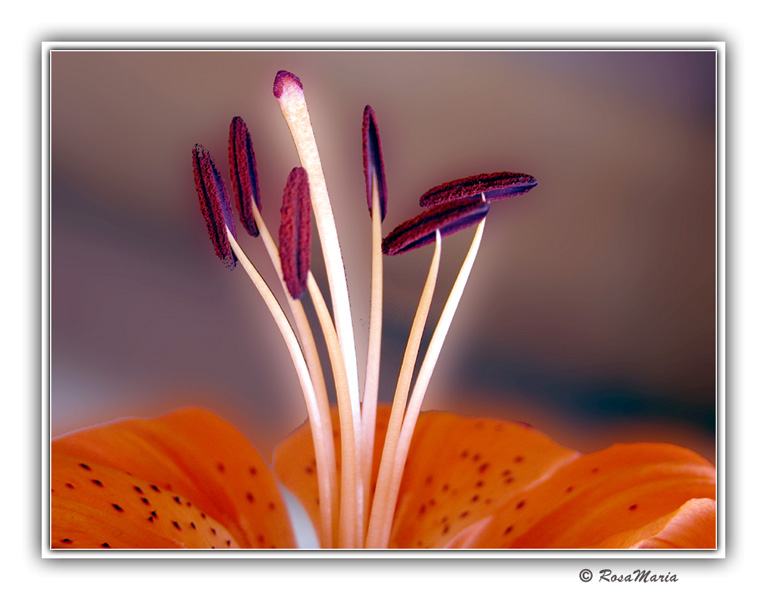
(591, 311)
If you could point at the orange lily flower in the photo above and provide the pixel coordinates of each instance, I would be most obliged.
(369, 476)
(189, 479)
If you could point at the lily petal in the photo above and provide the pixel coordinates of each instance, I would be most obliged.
(459, 471)
(189, 453)
(296, 467)
(94, 506)
(691, 526)
(584, 503)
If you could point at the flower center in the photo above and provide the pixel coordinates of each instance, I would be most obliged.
(351, 515)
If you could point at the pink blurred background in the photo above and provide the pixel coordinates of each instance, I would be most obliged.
(591, 312)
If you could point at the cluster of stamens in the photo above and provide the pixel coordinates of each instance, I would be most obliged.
(350, 515)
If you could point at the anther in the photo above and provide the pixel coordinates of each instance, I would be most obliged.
(244, 174)
(494, 186)
(372, 160)
(446, 218)
(296, 232)
(214, 204)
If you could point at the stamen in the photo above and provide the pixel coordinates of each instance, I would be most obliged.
(325, 470)
(372, 160)
(241, 155)
(243, 173)
(296, 232)
(422, 383)
(386, 465)
(494, 186)
(448, 218)
(351, 502)
(214, 204)
(375, 187)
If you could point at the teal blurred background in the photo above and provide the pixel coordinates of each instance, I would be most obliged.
(591, 312)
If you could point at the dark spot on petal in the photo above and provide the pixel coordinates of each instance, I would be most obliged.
(202, 515)
(508, 480)
(177, 500)
(97, 482)
(145, 500)
(156, 489)
(519, 459)
(483, 467)
(228, 543)
(138, 489)
(87, 468)
(213, 531)
(422, 509)
(67, 540)
(250, 497)
(464, 514)
(309, 470)
(117, 507)
(192, 525)
(506, 472)
(446, 528)
(260, 538)
(475, 497)
(151, 519)
(429, 480)
(595, 470)
(272, 506)
(464, 454)
(480, 483)
(220, 467)
(70, 486)
(105, 545)
(446, 487)
(633, 507)
(520, 504)
(176, 525)
(569, 489)
(508, 530)
(253, 471)
(476, 457)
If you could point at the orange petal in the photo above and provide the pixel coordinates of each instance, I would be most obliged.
(691, 526)
(191, 453)
(460, 470)
(587, 502)
(93, 506)
(296, 467)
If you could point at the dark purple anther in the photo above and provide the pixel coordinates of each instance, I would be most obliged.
(495, 186)
(448, 218)
(372, 160)
(296, 232)
(243, 173)
(214, 204)
(285, 79)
